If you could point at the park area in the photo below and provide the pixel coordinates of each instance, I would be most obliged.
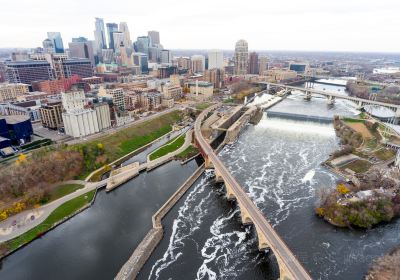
(169, 147)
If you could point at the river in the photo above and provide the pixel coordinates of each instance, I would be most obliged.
(97, 242)
(278, 163)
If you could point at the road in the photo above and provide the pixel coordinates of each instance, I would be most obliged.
(283, 254)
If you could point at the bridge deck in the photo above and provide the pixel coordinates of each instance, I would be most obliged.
(280, 249)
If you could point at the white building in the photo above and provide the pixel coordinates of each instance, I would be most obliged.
(103, 115)
(80, 122)
(200, 90)
(73, 100)
(215, 59)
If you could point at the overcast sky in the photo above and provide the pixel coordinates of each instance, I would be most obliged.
(325, 25)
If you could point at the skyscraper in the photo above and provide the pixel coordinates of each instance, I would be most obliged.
(263, 65)
(154, 37)
(198, 63)
(111, 28)
(99, 35)
(48, 46)
(215, 59)
(82, 48)
(57, 41)
(142, 44)
(118, 40)
(241, 57)
(123, 27)
(253, 63)
(166, 56)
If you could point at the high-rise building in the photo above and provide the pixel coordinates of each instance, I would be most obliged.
(253, 63)
(241, 57)
(183, 62)
(142, 44)
(118, 38)
(215, 59)
(141, 60)
(123, 27)
(166, 56)
(107, 55)
(198, 63)
(57, 41)
(80, 40)
(154, 54)
(154, 37)
(28, 71)
(82, 49)
(216, 77)
(48, 46)
(99, 35)
(262, 65)
(111, 28)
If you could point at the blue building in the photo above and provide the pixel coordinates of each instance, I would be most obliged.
(19, 128)
(57, 41)
(4, 129)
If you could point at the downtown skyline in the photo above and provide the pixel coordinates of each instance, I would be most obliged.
(313, 26)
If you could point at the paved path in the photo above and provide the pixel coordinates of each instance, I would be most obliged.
(22, 222)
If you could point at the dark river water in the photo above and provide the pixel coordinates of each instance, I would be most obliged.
(97, 242)
(276, 161)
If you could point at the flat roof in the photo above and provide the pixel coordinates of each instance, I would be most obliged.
(14, 119)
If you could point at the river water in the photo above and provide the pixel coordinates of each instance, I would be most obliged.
(278, 163)
(97, 242)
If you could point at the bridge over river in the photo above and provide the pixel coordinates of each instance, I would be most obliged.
(290, 268)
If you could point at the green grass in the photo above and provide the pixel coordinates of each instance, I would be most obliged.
(187, 153)
(169, 147)
(358, 166)
(351, 120)
(202, 106)
(64, 210)
(63, 190)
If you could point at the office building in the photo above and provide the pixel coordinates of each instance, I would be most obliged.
(262, 65)
(123, 27)
(154, 37)
(118, 39)
(253, 63)
(155, 54)
(99, 35)
(216, 77)
(141, 60)
(55, 37)
(299, 67)
(48, 46)
(241, 57)
(215, 59)
(201, 90)
(107, 55)
(111, 28)
(28, 71)
(22, 108)
(166, 71)
(81, 67)
(198, 63)
(55, 86)
(183, 62)
(171, 90)
(166, 56)
(51, 114)
(82, 49)
(142, 44)
(11, 92)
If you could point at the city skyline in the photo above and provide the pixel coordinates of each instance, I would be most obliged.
(314, 26)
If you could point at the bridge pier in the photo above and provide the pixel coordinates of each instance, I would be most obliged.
(244, 214)
(307, 96)
(360, 105)
(262, 240)
(331, 100)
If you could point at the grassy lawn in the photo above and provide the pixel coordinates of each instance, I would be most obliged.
(351, 120)
(169, 147)
(63, 190)
(385, 154)
(358, 166)
(66, 209)
(188, 153)
(202, 106)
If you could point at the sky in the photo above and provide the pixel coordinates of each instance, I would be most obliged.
(308, 25)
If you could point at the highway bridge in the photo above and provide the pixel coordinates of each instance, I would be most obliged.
(289, 267)
(331, 96)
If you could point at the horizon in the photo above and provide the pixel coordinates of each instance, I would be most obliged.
(340, 26)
